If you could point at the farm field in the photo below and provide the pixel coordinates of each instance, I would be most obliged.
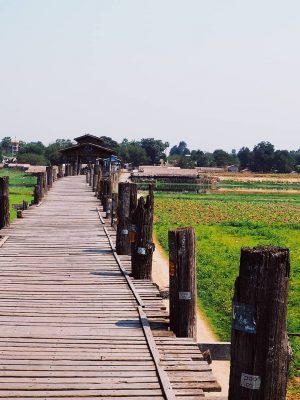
(21, 186)
(223, 224)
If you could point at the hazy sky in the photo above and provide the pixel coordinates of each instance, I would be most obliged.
(215, 73)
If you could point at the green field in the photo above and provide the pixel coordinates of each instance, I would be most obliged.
(21, 186)
(223, 224)
(264, 185)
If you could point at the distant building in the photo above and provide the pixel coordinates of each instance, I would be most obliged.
(233, 168)
(88, 149)
(14, 146)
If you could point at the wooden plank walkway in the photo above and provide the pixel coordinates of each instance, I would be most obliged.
(70, 326)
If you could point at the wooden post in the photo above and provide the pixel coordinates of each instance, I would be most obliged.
(127, 200)
(106, 193)
(108, 207)
(4, 202)
(143, 246)
(182, 272)
(37, 194)
(45, 186)
(25, 205)
(95, 178)
(91, 175)
(259, 345)
(66, 169)
(49, 171)
(114, 205)
(38, 188)
(60, 172)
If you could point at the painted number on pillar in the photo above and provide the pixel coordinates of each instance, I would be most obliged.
(124, 231)
(185, 296)
(141, 250)
(252, 382)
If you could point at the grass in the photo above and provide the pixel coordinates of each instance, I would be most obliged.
(223, 224)
(21, 188)
(271, 185)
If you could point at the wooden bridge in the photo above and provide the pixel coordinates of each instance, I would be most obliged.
(74, 325)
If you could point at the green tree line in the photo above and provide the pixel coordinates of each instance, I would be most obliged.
(262, 158)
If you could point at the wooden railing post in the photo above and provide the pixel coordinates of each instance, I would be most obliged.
(108, 207)
(114, 206)
(4, 201)
(91, 175)
(259, 344)
(143, 246)
(127, 201)
(44, 184)
(39, 188)
(106, 193)
(95, 178)
(49, 172)
(60, 172)
(182, 272)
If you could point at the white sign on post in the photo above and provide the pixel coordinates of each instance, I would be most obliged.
(250, 381)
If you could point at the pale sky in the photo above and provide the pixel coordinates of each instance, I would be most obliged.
(215, 73)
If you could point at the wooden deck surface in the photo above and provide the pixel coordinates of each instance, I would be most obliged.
(70, 325)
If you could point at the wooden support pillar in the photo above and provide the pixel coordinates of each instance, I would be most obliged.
(66, 169)
(114, 206)
(39, 188)
(127, 201)
(106, 193)
(60, 172)
(45, 185)
(25, 205)
(49, 172)
(91, 175)
(143, 247)
(182, 274)
(108, 207)
(55, 173)
(260, 352)
(4, 202)
(95, 178)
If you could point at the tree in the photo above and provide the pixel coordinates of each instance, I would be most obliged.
(155, 149)
(283, 162)
(202, 159)
(181, 149)
(52, 152)
(222, 158)
(132, 152)
(263, 156)
(33, 159)
(32, 147)
(110, 143)
(6, 145)
(245, 157)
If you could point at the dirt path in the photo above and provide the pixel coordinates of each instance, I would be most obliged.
(160, 275)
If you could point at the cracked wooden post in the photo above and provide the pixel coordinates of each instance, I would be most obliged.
(182, 273)
(4, 202)
(127, 201)
(260, 352)
(143, 246)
